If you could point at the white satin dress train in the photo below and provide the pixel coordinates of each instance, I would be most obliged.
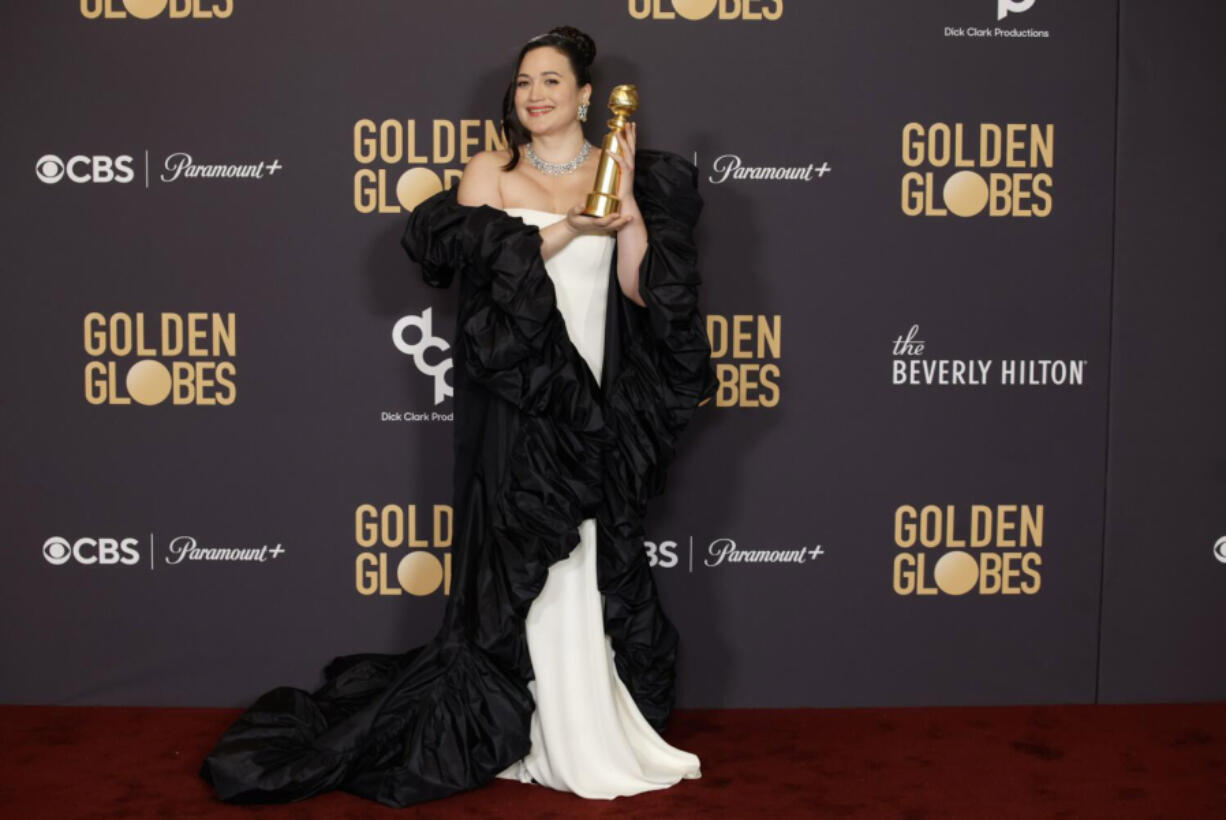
(588, 735)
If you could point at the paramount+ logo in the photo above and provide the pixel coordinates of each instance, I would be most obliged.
(967, 170)
(149, 9)
(770, 10)
(981, 550)
(186, 358)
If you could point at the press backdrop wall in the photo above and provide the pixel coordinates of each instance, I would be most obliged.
(962, 262)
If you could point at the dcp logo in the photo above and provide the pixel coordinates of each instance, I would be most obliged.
(1004, 7)
(428, 341)
(59, 551)
(81, 168)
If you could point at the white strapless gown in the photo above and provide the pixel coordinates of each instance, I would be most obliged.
(588, 735)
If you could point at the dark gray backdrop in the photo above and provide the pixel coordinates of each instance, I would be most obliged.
(1123, 273)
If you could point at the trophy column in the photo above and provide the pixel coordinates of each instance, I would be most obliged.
(603, 200)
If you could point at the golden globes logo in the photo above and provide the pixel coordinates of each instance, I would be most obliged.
(148, 9)
(970, 169)
(752, 342)
(386, 186)
(702, 9)
(988, 550)
(403, 549)
(184, 357)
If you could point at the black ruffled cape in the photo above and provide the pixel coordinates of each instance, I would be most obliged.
(539, 446)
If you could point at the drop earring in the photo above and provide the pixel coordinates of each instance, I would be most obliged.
(582, 112)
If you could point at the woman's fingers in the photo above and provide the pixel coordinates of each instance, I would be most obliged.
(619, 221)
(627, 136)
(610, 222)
(596, 224)
(625, 185)
(623, 162)
(592, 224)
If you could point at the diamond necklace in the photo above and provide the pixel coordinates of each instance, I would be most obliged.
(556, 169)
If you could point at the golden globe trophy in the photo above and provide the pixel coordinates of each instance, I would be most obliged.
(602, 201)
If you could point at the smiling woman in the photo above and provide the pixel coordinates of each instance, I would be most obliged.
(588, 735)
(543, 108)
(580, 356)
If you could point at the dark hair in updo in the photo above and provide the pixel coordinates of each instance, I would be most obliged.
(579, 49)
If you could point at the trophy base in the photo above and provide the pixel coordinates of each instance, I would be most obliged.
(599, 205)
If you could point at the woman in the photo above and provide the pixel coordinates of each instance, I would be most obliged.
(555, 663)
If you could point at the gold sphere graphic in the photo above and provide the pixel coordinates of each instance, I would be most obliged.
(145, 9)
(148, 382)
(965, 193)
(956, 573)
(694, 9)
(419, 572)
(415, 186)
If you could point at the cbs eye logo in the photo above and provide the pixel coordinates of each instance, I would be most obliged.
(81, 168)
(59, 551)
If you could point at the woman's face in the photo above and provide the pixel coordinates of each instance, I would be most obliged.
(546, 95)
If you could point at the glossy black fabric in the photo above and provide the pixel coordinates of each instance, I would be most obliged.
(539, 446)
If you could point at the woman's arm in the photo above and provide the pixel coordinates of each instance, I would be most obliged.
(631, 248)
(632, 236)
(555, 237)
(479, 186)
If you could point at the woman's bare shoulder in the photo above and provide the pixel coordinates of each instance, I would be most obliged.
(479, 182)
(487, 161)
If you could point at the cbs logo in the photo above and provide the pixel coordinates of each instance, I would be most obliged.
(97, 168)
(661, 554)
(59, 551)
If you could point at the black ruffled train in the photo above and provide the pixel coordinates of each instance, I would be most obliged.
(538, 448)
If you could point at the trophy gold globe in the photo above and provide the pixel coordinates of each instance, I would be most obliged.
(603, 200)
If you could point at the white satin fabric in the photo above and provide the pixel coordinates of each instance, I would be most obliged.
(588, 735)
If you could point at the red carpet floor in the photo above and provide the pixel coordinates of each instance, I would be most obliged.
(981, 762)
